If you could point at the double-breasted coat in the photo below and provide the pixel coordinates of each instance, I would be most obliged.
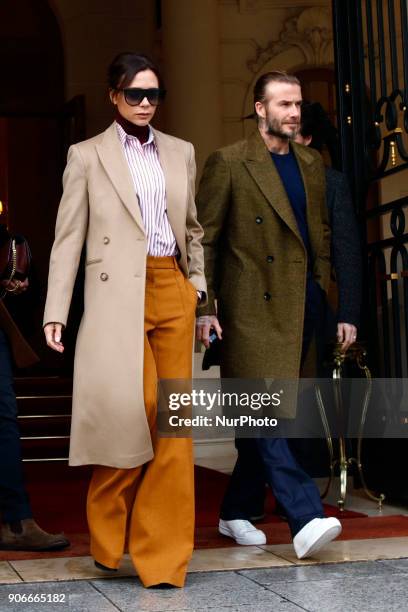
(100, 208)
(255, 259)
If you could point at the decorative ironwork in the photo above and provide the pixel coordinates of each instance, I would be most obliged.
(357, 354)
(389, 112)
(371, 45)
(388, 274)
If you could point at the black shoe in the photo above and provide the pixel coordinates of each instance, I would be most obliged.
(104, 568)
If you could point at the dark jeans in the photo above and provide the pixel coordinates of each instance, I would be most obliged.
(14, 503)
(270, 460)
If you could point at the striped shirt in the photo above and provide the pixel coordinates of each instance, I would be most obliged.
(149, 182)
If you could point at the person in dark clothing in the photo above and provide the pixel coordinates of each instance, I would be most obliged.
(317, 131)
(18, 529)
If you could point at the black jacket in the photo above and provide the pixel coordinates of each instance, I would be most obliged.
(346, 249)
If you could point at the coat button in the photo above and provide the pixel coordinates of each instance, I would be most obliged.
(270, 258)
(104, 276)
(106, 240)
(267, 296)
(259, 220)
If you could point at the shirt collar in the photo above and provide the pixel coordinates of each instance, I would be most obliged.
(123, 136)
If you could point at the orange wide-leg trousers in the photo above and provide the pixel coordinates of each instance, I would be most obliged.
(153, 502)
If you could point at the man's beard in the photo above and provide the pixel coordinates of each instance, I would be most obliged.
(274, 128)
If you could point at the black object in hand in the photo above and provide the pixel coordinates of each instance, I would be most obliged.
(212, 355)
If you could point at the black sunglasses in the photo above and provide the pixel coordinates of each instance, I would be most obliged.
(134, 95)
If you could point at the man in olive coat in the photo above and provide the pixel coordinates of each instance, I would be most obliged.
(261, 203)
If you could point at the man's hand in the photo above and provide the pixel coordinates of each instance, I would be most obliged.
(203, 326)
(53, 333)
(346, 334)
(15, 286)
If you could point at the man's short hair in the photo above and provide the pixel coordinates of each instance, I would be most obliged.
(274, 76)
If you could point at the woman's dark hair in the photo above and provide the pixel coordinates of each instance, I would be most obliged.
(315, 122)
(126, 65)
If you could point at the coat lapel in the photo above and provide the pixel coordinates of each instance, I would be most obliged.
(264, 173)
(174, 168)
(113, 159)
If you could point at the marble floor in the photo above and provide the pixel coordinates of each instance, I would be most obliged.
(347, 576)
(232, 558)
(362, 586)
(357, 500)
(209, 560)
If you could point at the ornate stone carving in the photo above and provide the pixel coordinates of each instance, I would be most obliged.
(310, 31)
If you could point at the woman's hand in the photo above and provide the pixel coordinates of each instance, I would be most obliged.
(53, 332)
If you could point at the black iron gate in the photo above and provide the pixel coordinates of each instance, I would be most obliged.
(371, 46)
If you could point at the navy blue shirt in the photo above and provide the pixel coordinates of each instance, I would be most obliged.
(291, 178)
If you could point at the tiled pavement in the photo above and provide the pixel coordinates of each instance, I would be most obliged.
(207, 560)
(347, 587)
(347, 576)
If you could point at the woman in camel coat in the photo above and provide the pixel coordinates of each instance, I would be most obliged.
(129, 197)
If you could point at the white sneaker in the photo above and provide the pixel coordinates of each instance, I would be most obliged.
(243, 532)
(316, 534)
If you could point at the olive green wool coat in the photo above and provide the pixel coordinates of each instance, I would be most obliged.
(255, 259)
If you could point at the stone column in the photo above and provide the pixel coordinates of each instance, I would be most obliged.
(191, 61)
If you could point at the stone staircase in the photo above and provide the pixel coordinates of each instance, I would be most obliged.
(44, 414)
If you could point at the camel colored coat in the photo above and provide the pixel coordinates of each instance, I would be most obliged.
(100, 208)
